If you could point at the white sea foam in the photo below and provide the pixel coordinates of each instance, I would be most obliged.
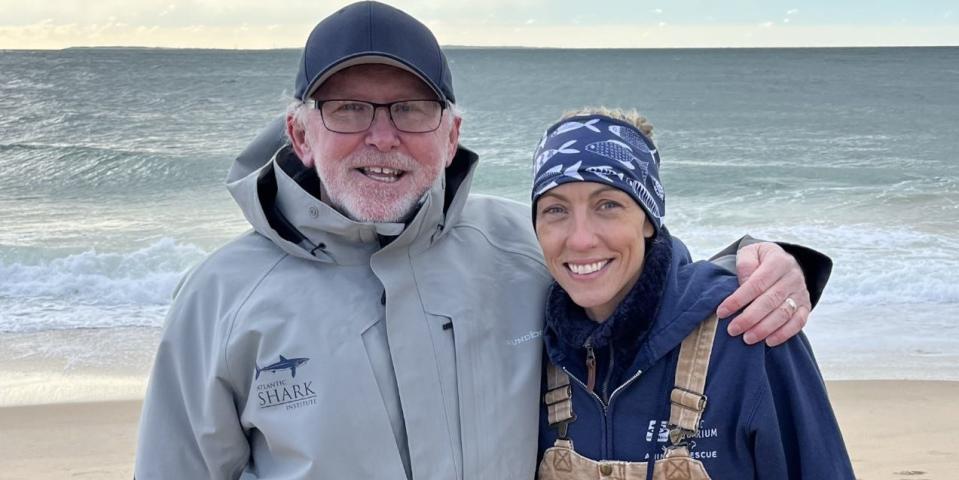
(888, 264)
(93, 289)
(873, 264)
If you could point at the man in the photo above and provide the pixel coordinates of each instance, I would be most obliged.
(379, 322)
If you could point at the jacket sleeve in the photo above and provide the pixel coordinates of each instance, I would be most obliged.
(816, 267)
(190, 427)
(793, 432)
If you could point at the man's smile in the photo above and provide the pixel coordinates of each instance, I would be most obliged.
(382, 174)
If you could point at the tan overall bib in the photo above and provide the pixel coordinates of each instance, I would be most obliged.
(561, 462)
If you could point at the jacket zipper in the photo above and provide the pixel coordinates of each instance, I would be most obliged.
(611, 397)
(605, 408)
(624, 385)
(590, 366)
(590, 392)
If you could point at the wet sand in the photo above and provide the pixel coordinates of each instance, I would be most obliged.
(895, 430)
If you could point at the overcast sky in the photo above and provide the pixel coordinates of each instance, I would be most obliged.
(37, 24)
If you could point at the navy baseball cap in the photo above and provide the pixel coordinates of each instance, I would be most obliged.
(372, 32)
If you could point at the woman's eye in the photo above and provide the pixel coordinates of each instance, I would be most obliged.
(608, 204)
(552, 210)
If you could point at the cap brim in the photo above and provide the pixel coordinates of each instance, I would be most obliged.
(368, 59)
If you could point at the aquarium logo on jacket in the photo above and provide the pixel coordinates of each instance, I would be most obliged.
(658, 432)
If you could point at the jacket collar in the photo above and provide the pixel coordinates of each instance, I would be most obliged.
(281, 202)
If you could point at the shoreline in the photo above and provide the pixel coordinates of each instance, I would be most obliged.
(111, 364)
(894, 429)
(75, 366)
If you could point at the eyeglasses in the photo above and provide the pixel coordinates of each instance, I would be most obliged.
(355, 116)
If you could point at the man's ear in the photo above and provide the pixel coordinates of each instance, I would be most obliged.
(298, 141)
(454, 138)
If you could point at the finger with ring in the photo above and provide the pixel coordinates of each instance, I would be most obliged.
(791, 305)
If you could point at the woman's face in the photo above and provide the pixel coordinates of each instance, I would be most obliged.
(593, 238)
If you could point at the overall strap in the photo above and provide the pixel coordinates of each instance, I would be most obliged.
(687, 400)
(558, 399)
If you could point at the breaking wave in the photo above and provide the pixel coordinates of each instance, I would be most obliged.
(93, 289)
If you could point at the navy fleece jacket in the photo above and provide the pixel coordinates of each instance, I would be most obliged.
(767, 417)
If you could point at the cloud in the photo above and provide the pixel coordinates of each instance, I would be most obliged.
(169, 13)
(168, 10)
(46, 34)
(286, 23)
(676, 35)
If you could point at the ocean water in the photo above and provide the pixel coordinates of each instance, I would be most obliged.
(112, 164)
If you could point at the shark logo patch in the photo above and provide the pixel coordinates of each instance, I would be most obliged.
(289, 393)
(284, 364)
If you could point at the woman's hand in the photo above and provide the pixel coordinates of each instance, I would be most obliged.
(773, 291)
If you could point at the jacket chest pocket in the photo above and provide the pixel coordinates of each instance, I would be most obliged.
(443, 338)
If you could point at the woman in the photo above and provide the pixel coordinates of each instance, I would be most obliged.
(628, 305)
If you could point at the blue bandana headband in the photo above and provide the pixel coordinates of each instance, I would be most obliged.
(596, 148)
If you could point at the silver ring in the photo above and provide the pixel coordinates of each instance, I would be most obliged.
(791, 305)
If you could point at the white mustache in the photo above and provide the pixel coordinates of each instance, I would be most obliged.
(373, 158)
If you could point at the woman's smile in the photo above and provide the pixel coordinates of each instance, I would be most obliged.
(587, 269)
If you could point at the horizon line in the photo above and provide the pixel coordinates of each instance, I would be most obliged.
(494, 47)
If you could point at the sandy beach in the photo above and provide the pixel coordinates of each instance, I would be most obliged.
(888, 426)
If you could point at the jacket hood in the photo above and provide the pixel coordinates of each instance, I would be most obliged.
(281, 201)
(691, 292)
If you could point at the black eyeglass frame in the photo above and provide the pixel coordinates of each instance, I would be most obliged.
(318, 105)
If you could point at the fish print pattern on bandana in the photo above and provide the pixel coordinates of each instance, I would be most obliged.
(550, 153)
(571, 172)
(638, 188)
(595, 148)
(622, 153)
(574, 125)
(634, 140)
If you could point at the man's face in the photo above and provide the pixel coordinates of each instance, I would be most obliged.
(380, 174)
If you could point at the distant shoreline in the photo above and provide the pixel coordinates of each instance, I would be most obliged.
(497, 48)
(96, 365)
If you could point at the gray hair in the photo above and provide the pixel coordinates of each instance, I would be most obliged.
(297, 110)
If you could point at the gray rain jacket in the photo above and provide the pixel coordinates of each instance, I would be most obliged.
(319, 347)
